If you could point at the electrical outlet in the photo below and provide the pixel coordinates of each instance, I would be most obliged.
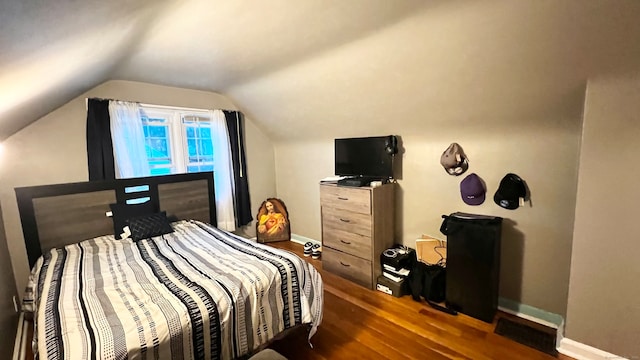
(15, 304)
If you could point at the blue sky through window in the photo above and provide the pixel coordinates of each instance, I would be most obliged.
(195, 147)
(158, 145)
(199, 147)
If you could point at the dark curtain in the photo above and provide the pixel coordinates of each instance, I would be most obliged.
(99, 146)
(235, 128)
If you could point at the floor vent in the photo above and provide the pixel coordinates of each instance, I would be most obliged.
(544, 341)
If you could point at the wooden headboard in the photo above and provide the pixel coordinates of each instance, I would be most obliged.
(62, 214)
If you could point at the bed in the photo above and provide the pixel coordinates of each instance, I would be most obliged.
(191, 292)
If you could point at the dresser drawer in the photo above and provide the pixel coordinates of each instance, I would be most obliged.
(347, 266)
(346, 242)
(340, 197)
(347, 221)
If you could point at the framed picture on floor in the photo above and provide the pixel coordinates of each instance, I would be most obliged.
(273, 221)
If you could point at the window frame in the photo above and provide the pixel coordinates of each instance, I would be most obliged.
(185, 147)
(176, 135)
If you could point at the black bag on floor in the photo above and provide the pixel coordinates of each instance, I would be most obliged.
(429, 282)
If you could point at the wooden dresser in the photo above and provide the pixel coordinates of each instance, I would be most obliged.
(357, 226)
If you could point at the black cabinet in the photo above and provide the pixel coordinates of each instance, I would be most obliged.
(473, 263)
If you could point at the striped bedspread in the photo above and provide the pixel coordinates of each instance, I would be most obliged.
(198, 293)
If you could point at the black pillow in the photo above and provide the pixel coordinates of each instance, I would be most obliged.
(122, 212)
(150, 225)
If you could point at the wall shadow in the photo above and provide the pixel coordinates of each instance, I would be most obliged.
(399, 215)
(511, 261)
(399, 202)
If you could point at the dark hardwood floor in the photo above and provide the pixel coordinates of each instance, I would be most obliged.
(360, 323)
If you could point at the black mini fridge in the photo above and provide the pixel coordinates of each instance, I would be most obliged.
(473, 263)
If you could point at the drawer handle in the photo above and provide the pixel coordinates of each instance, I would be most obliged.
(342, 198)
(345, 242)
(345, 220)
(343, 264)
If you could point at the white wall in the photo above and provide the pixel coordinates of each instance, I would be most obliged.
(536, 243)
(53, 150)
(603, 310)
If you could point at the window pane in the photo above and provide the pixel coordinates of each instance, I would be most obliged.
(206, 147)
(158, 161)
(158, 131)
(158, 145)
(199, 148)
(157, 148)
(191, 143)
(201, 168)
(160, 171)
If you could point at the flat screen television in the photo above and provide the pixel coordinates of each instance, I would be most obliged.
(366, 157)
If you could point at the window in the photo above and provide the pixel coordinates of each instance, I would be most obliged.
(153, 140)
(199, 144)
(177, 141)
(158, 145)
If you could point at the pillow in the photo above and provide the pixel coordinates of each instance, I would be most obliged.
(122, 212)
(150, 225)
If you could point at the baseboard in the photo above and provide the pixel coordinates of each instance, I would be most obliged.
(580, 351)
(564, 345)
(303, 240)
(531, 313)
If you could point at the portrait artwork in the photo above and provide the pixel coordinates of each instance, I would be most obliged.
(272, 221)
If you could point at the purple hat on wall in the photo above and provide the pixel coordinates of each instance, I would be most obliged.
(472, 190)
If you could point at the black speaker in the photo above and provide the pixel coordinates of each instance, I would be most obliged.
(391, 145)
(473, 264)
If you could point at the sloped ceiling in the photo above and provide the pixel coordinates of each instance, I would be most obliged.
(302, 69)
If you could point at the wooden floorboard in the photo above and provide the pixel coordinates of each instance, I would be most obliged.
(360, 323)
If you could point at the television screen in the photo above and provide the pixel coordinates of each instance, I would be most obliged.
(365, 157)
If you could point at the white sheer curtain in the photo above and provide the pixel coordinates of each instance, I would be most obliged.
(127, 135)
(222, 171)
